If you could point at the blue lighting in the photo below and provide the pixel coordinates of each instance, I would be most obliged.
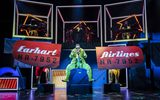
(77, 13)
(5, 70)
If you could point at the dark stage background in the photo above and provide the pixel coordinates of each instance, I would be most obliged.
(146, 76)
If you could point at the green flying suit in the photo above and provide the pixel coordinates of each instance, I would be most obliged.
(78, 61)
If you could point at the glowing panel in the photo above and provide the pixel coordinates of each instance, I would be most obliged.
(58, 76)
(8, 83)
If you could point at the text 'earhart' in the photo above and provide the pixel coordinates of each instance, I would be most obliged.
(36, 50)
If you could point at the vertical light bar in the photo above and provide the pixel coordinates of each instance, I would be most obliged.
(51, 21)
(101, 25)
(32, 77)
(32, 72)
(98, 28)
(14, 15)
(63, 32)
(50, 75)
(143, 18)
(48, 26)
(98, 18)
(126, 78)
(106, 10)
(146, 29)
(111, 27)
(105, 24)
(17, 83)
(48, 20)
(17, 25)
(63, 24)
(56, 25)
(17, 18)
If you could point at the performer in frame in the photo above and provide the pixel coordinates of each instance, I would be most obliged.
(114, 76)
(38, 73)
(126, 35)
(78, 56)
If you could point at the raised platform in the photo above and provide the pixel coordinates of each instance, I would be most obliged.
(78, 83)
(111, 88)
(45, 89)
(79, 89)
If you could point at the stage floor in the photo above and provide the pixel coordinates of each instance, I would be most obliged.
(60, 94)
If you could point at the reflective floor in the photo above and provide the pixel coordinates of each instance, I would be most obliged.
(60, 94)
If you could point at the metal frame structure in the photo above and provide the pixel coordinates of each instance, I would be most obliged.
(17, 14)
(143, 15)
(32, 79)
(98, 21)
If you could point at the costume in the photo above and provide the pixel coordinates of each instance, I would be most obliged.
(126, 35)
(78, 61)
(114, 74)
(39, 71)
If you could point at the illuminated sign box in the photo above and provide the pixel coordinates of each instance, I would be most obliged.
(40, 54)
(33, 20)
(125, 21)
(119, 57)
(8, 83)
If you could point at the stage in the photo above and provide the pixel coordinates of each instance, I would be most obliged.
(80, 50)
(60, 94)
